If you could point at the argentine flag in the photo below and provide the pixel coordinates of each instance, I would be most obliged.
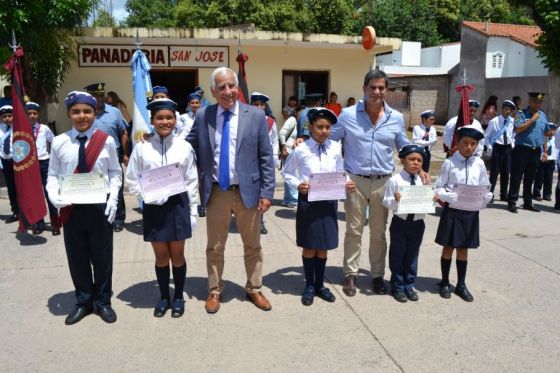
(142, 88)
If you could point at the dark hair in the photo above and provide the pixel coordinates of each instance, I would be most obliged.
(115, 98)
(374, 75)
(492, 100)
(516, 99)
(292, 98)
(333, 93)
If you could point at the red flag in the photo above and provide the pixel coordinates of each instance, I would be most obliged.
(30, 196)
(464, 117)
(242, 76)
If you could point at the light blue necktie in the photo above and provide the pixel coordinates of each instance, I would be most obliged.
(223, 172)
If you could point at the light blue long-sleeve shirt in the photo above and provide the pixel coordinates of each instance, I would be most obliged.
(368, 150)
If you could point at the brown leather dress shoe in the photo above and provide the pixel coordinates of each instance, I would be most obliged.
(212, 303)
(260, 301)
(349, 286)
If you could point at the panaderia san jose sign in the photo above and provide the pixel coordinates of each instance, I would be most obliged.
(91, 55)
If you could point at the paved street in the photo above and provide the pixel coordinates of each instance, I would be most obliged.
(511, 326)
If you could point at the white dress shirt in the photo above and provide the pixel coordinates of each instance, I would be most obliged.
(3, 133)
(273, 134)
(495, 125)
(43, 136)
(305, 160)
(418, 133)
(392, 187)
(449, 130)
(160, 152)
(233, 123)
(64, 160)
(460, 170)
(184, 124)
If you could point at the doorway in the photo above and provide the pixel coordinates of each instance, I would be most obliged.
(179, 82)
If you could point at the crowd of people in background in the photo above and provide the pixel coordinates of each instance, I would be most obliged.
(228, 153)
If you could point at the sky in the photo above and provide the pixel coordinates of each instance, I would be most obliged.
(119, 12)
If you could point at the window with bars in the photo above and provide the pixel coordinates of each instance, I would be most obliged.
(497, 60)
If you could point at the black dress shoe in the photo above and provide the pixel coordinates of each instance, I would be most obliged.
(537, 198)
(557, 207)
(399, 296)
(445, 290)
(512, 208)
(308, 294)
(503, 199)
(263, 229)
(547, 199)
(77, 314)
(325, 294)
(178, 308)
(201, 211)
(55, 231)
(530, 207)
(107, 314)
(117, 227)
(12, 218)
(379, 286)
(39, 227)
(161, 307)
(411, 295)
(464, 293)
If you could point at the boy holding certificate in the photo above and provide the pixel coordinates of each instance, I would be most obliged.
(316, 225)
(88, 234)
(170, 219)
(459, 229)
(406, 230)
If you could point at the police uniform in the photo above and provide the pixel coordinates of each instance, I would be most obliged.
(545, 172)
(425, 137)
(406, 232)
(526, 155)
(499, 141)
(43, 139)
(6, 137)
(110, 121)
(316, 222)
(88, 236)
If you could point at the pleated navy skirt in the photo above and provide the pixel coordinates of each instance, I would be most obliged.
(168, 222)
(458, 228)
(316, 225)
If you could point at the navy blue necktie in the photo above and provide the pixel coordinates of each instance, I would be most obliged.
(321, 149)
(82, 165)
(410, 217)
(7, 141)
(223, 171)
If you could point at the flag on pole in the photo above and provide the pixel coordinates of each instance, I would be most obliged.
(242, 76)
(142, 88)
(29, 189)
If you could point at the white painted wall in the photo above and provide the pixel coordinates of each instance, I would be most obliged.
(519, 60)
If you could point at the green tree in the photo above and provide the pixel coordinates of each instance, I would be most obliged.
(44, 29)
(150, 13)
(104, 19)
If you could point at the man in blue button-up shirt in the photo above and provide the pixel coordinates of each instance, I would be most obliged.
(531, 128)
(370, 131)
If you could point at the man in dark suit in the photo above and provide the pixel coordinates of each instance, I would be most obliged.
(236, 169)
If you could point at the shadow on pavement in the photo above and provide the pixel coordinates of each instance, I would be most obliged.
(26, 239)
(290, 280)
(135, 227)
(62, 303)
(427, 284)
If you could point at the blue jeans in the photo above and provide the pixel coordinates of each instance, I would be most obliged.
(290, 195)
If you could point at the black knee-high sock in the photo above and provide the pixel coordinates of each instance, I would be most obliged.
(179, 274)
(320, 264)
(309, 270)
(461, 271)
(162, 275)
(445, 267)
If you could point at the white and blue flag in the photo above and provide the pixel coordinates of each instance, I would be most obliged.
(142, 88)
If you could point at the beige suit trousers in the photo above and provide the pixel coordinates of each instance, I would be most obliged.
(219, 209)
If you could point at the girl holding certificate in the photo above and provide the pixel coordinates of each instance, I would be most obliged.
(459, 229)
(316, 224)
(169, 220)
(406, 230)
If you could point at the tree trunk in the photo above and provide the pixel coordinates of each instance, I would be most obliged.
(34, 89)
(553, 105)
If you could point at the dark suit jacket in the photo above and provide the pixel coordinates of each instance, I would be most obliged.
(254, 161)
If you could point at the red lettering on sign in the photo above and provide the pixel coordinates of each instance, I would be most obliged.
(160, 58)
(105, 55)
(86, 53)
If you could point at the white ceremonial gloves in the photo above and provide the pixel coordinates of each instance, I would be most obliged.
(111, 210)
(193, 222)
(58, 201)
(160, 201)
(450, 197)
(488, 197)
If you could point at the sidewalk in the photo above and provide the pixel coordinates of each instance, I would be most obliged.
(511, 326)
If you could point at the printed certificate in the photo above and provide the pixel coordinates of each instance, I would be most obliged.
(84, 188)
(161, 182)
(417, 199)
(327, 186)
(471, 197)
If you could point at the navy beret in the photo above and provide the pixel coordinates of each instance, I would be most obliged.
(257, 96)
(428, 113)
(78, 97)
(32, 106)
(6, 109)
(474, 103)
(321, 112)
(509, 104)
(412, 148)
(162, 104)
(193, 96)
(160, 89)
(470, 131)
